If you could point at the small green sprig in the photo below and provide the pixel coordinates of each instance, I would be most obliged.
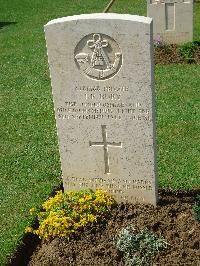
(196, 208)
(187, 50)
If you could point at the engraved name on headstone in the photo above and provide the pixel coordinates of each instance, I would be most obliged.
(101, 70)
(172, 19)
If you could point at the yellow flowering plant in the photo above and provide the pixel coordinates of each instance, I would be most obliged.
(68, 212)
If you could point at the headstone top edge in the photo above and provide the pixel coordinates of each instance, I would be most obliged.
(111, 16)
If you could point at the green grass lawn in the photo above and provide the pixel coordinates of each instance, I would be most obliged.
(30, 167)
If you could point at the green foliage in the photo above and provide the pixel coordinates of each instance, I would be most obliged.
(68, 212)
(196, 208)
(196, 21)
(187, 50)
(139, 246)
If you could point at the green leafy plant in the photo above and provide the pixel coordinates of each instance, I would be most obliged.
(196, 208)
(68, 212)
(187, 50)
(138, 246)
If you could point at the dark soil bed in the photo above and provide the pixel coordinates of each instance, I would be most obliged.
(167, 54)
(173, 219)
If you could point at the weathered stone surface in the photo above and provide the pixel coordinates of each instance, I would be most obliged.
(172, 20)
(103, 90)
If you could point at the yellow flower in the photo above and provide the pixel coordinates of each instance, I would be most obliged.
(70, 193)
(81, 200)
(28, 229)
(66, 212)
(59, 197)
(32, 210)
(88, 197)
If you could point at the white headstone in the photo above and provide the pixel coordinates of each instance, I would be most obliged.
(103, 90)
(172, 20)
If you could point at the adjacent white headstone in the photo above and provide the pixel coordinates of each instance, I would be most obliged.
(101, 69)
(172, 20)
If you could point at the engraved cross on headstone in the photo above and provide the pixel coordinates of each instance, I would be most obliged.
(105, 146)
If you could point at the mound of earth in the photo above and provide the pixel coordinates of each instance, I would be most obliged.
(168, 54)
(172, 219)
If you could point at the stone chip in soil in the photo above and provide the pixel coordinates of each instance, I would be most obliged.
(173, 219)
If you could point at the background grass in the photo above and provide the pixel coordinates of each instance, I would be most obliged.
(30, 164)
(30, 167)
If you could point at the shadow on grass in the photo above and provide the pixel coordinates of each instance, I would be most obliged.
(6, 23)
(25, 251)
(29, 243)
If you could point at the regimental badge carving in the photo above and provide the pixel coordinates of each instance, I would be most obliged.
(98, 56)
